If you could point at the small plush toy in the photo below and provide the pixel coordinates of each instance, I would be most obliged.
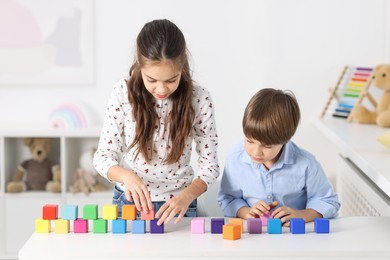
(381, 114)
(85, 178)
(39, 172)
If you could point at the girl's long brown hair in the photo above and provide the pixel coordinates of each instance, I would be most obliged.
(161, 40)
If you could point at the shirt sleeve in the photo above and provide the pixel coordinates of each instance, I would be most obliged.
(230, 196)
(206, 139)
(111, 143)
(320, 194)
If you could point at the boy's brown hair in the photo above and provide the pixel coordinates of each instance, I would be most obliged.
(271, 116)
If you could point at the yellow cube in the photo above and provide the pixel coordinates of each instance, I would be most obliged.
(237, 221)
(61, 226)
(42, 225)
(110, 212)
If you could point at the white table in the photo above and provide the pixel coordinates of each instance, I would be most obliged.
(350, 238)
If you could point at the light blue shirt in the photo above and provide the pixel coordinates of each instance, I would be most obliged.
(296, 180)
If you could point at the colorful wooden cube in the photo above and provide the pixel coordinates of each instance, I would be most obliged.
(119, 226)
(274, 226)
(61, 226)
(138, 226)
(156, 229)
(231, 231)
(254, 226)
(297, 226)
(264, 219)
(216, 225)
(69, 212)
(42, 225)
(110, 212)
(90, 211)
(99, 226)
(147, 216)
(129, 212)
(50, 211)
(197, 225)
(321, 225)
(80, 226)
(237, 221)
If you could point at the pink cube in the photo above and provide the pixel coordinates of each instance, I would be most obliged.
(197, 226)
(80, 225)
(264, 219)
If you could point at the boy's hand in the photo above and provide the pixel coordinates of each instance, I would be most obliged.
(261, 208)
(286, 213)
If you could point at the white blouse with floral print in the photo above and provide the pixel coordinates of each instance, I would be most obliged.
(163, 180)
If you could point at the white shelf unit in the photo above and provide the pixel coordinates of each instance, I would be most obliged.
(364, 175)
(19, 210)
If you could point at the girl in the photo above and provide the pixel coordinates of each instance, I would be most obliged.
(152, 118)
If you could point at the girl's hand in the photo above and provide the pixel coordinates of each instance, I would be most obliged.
(261, 208)
(136, 191)
(178, 205)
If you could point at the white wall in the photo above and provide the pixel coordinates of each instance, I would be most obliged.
(237, 47)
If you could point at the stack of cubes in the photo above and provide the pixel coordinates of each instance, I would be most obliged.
(90, 213)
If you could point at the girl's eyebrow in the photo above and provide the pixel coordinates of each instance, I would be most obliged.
(165, 80)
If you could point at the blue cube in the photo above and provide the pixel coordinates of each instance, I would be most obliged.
(216, 225)
(321, 225)
(138, 226)
(69, 212)
(297, 226)
(274, 226)
(119, 226)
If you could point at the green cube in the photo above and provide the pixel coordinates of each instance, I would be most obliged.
(99, 226)
(90, 211)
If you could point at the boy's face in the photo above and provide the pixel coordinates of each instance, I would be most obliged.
(262, 154)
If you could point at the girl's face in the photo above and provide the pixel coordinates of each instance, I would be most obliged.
(262, 154)
(161, 79)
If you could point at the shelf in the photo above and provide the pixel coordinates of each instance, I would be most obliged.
(358, 142)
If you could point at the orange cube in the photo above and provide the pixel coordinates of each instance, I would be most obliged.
(129, 212)
(237, 221)
(231, 231)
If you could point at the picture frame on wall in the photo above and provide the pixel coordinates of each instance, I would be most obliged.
(46, 42)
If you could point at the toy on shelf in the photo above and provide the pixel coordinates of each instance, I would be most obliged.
(380, 115)
(347, 91)
(85, 178)
(385, 139)
(39, 172)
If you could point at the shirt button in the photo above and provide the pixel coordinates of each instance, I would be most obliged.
(269, 197)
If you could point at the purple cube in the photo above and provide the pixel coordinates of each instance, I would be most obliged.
(216, 225)
(156, 229)
(254, 226)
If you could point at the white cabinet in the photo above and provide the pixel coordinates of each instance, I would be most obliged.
(363, 181)
(19, 211)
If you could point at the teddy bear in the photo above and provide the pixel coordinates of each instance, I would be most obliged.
(381, 114)
(85, 178)
(39, 172)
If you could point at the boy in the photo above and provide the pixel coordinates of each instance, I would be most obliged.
(267, 173)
